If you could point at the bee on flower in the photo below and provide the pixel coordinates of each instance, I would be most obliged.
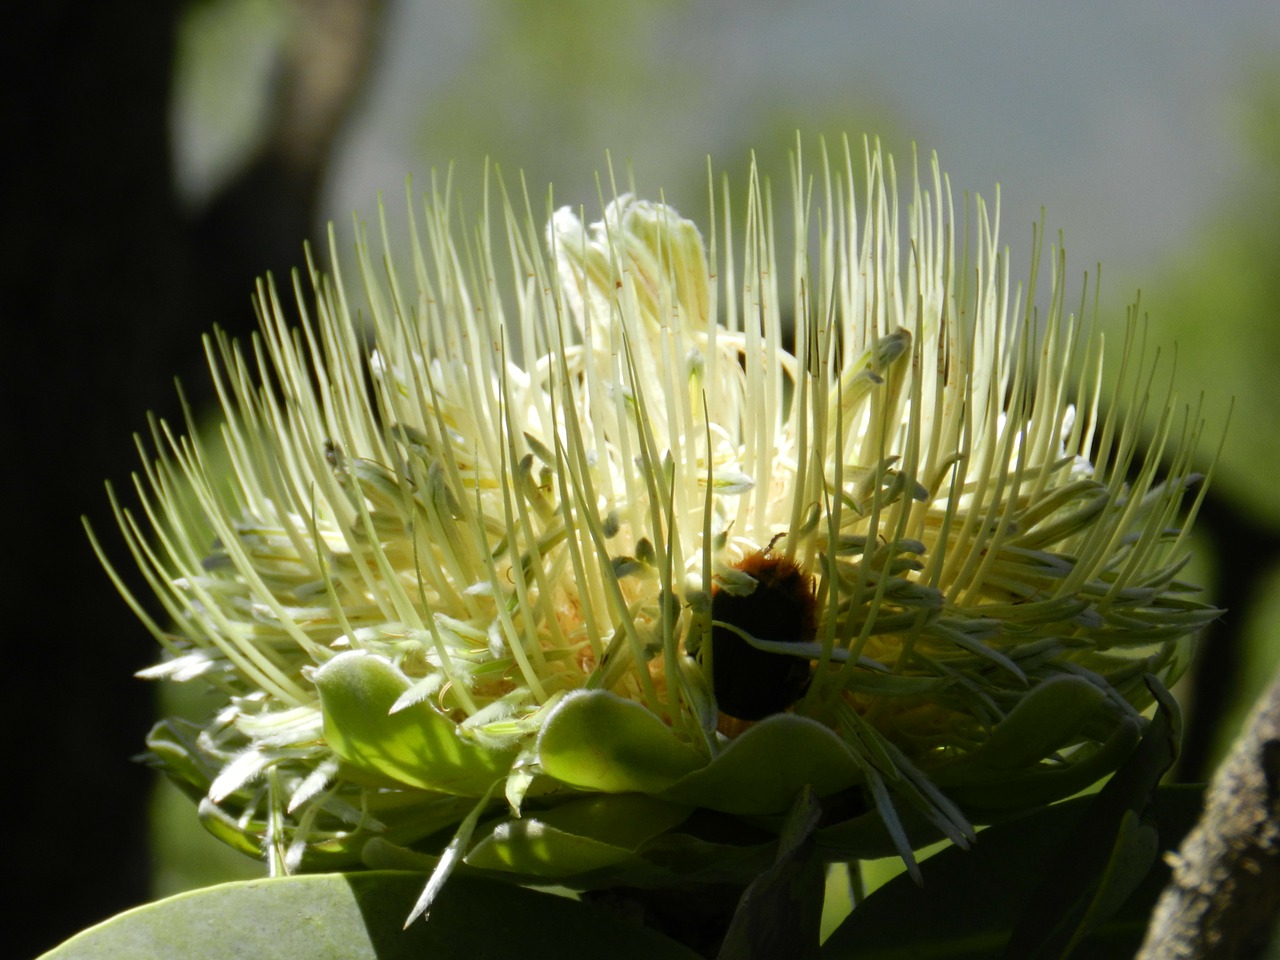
(522, 567)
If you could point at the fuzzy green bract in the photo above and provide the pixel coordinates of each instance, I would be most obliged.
(452, 574)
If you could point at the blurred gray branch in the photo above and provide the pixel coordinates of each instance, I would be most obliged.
(259, 220)
(1224, 897)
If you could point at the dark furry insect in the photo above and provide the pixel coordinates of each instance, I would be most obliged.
(750, 684)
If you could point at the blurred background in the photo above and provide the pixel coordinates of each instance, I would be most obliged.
(170, 153)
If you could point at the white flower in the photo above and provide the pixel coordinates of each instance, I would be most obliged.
(649, 532)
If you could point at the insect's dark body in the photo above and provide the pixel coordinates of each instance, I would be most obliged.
(750, 684)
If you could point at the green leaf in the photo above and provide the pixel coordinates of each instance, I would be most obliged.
(763, 771)
(595, 740)
(780, 913)
(972, 900)
(1050, 716)
(988, 795)
(1109, 851)
(679, 861)
(726, 851)
(589, 833)
(418, 745)
(1044, 886)
(360, 916)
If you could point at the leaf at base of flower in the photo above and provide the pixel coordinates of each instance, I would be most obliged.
(577, 837)
(595, 740)
(1077, 879)
(761, 772)
(417, 746)
(974, 899)
(780, 913)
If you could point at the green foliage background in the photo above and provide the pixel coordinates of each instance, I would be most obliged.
(1218, 299)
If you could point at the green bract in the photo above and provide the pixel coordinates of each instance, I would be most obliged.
(457, 586)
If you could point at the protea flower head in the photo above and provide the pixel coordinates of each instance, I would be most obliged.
(583, 568)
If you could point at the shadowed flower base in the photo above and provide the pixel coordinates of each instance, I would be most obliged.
(584, 569)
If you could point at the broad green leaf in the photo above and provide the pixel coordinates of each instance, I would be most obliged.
(763, 770)
(1137, 845)
(1109, 851)
(627, 819)
(417, 746)
(668, 860)
(577, 837)
(972, 900)
(530, 848)
(988, 795)
(595, 740)
(1012, 770)
(1049, 717)
(678, 861)
(360, 916)
(780, 913)
(993, 792)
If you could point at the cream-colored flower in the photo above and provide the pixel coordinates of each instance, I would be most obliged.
(544, 561)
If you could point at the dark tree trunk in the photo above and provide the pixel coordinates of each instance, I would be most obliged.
(105, 292)
(93, 306)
